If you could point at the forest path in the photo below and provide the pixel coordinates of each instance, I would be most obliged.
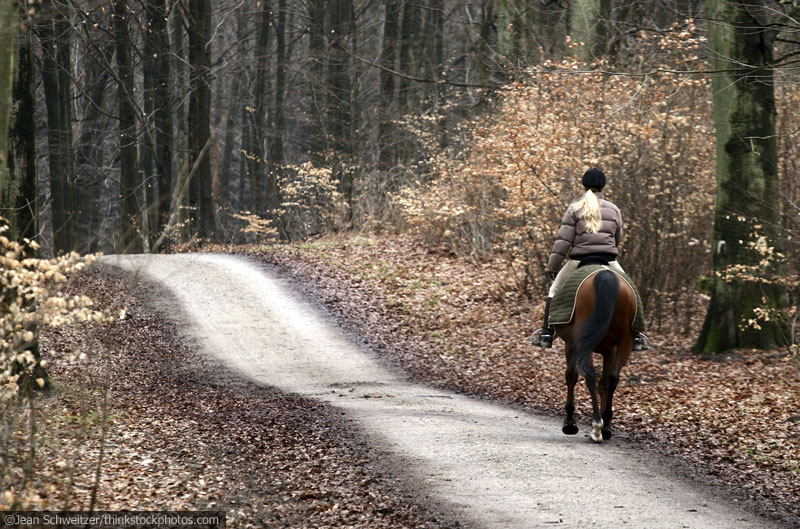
(496, 467)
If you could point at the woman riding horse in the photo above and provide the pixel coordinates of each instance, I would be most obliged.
(605, 306)
(590, 233)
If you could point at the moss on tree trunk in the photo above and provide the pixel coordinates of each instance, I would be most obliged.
(748, 207)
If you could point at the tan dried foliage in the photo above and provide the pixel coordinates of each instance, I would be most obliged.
(29, 300)
(506, 185)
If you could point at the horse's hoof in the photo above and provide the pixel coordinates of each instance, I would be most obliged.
(607, 434)
(596, 436)
(570, 429)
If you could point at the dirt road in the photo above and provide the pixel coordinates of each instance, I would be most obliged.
(495, 466)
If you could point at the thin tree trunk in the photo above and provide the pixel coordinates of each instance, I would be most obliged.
(276, 154)
(59, 129)
(64, 53)
(180, 81)
(340, 99)
(130, 239)
(9, 16)
(318, 143)
(408, 34)
(89, 158)
(386, 107)
(22, 142)
(437, 13)
(245, 200)
(259, 132)
(147, 154)
(223, 195)
(199, 113)
(158, 37)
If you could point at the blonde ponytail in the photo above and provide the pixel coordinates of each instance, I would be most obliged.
(589, 206)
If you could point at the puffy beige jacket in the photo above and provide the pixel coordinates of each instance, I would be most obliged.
(573, 240)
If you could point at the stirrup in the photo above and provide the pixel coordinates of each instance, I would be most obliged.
(540, 338)
(641, 342)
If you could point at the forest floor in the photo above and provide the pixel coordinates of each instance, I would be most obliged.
(183, 434)
(731, 419)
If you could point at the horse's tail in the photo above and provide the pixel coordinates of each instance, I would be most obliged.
(606, 288)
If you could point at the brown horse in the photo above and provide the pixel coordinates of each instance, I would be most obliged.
(604, 310)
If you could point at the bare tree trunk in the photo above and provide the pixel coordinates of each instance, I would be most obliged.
(316, 45)
(199, 113)
(386, 107)
(91, 174)
(408, 41)
(340, 100)
(9, 15)
(259, 132)
(22, 142)
(9, 186)
(276, 154)
(179, 80)
(223, 192)
(130, 239)
(158, 37)
(54, 34)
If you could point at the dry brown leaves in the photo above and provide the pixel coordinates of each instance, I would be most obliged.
(185, 434)
(735, 419)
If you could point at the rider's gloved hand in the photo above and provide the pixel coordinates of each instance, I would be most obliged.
(552, 275)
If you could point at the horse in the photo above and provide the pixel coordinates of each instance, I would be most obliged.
(605, 307)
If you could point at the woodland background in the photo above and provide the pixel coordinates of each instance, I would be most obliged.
(452, 134)
(146, 125)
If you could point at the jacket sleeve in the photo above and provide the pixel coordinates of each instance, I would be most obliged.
(564, 240)
(619, 233)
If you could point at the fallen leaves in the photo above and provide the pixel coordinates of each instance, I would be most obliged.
(731, 418)
(186, 434)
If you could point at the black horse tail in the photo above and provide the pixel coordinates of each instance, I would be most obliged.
(591, 331)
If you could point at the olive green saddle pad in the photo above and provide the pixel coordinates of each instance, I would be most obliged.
(563, 305)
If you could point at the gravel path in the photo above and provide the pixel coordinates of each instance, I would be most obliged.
(497, 467)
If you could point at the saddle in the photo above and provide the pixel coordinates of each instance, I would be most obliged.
(562, 307)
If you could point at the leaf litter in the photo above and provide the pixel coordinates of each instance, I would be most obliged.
(185, 434)
(731, 419)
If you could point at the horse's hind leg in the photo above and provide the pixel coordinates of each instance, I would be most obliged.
(569, 427)
(608, 384)
(597, 420)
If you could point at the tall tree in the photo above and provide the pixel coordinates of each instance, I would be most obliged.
(340, 101)
(316, 49)
(160, 113)
(130, 239)
(748, 199)
(9, 16)
(55, 34)
(9, 83)
(386, 106)
(258, 138)
(276, 147)
(179, 81)
(22, 143)
(199, 123)
(90, 161)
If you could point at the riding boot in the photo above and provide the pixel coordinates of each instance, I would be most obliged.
(641, 342)
(544, 336)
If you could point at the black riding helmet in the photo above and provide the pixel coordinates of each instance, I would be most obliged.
(594, 178)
